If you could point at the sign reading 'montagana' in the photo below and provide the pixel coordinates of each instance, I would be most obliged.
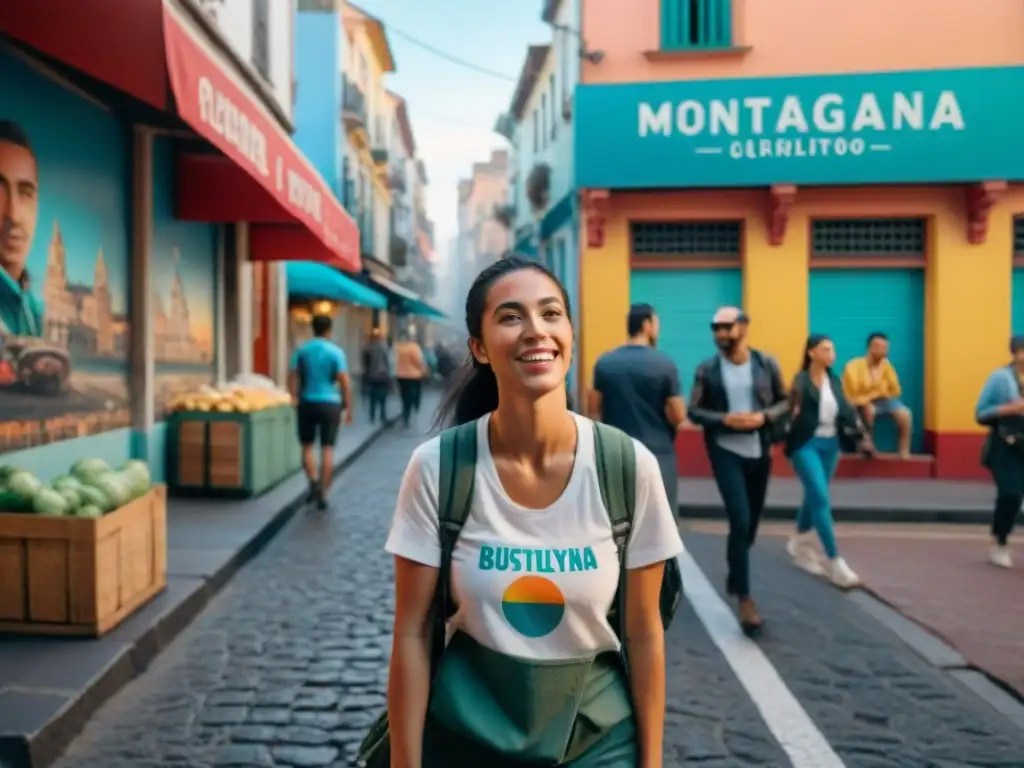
(895, 127)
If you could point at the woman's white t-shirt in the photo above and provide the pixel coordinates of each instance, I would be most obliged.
(828, 410)
(530, 583)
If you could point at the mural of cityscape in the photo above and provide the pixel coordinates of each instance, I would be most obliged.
(63, 265)
(184, 291)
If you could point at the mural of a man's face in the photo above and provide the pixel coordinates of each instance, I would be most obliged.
(19, 205)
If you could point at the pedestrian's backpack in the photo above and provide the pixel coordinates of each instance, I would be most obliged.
(378, 363)
(616, 472)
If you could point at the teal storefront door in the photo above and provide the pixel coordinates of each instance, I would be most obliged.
(850, 304)
(1017, 297)
(685, 301)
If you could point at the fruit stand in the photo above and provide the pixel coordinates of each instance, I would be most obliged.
(231, 441)
(81, 554)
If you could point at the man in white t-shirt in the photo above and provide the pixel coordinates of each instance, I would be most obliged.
(535, 583)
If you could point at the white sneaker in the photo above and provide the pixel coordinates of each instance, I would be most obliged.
(805, 556)
(1001, 557)
(842, 575)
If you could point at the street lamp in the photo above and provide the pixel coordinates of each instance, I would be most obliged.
(594, 57)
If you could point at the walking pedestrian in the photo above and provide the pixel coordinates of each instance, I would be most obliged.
(532, 673)
(410, 368)
(741, 402)
(377, 374)
(823, 423)
(318, 370)
(636, 389)
(1001, 409)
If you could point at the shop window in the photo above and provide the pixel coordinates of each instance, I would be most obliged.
(868, 237)
(261, 37)
(690, 24)
(1018, 236)
(687, 239)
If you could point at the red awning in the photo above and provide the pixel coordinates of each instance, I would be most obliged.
(262, 178)
(211, 99)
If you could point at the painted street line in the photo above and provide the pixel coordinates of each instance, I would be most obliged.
(791, 726)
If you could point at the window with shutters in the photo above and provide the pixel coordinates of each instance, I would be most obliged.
(868, 237)
(261, 37)
(695, 24)
(713, 241)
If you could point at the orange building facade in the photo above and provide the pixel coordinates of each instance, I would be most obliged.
(823, 168)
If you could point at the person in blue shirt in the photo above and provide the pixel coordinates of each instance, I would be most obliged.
(319, 383)
(1001, 408)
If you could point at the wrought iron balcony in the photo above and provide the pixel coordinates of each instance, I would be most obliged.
(399, 251)
(397, 181)
(353, 106)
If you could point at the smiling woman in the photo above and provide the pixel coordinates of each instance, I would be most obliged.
(514, 517)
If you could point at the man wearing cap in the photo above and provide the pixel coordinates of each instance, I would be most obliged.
(741, 402)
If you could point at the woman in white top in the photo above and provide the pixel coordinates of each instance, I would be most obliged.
(824, 423)
(535, 569)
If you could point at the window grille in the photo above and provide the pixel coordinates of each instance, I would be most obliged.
(261, 37)
(687, 238)
(1018, 236)
(859, 237)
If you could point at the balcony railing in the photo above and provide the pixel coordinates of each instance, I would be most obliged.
(353, 106)
(397, 181)
(399, 251)
(380, 157)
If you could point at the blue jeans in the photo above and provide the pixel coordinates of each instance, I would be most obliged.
(815, 464)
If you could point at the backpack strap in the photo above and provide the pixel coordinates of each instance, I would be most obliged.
(615, 456)
(455, 494)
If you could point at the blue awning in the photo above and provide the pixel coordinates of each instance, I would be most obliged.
(406, 302)
(318, 281)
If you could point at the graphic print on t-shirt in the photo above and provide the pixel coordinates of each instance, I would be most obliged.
(534, 605)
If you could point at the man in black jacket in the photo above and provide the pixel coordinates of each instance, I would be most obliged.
(741, 402)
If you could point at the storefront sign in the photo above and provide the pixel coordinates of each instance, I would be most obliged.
(895, 127)
(210, 100)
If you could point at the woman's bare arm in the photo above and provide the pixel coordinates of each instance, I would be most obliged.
(645, 650)
(409, 676)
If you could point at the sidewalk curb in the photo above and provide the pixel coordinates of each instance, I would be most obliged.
(45, 746)
(701, 511)
(935, 650)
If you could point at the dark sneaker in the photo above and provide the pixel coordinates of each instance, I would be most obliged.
(314, 492)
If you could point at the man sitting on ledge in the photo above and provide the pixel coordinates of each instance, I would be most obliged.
(870, 383)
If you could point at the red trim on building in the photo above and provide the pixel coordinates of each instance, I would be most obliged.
(220, 111)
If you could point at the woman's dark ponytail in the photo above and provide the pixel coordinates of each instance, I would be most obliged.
(473, 391)
(812, 343)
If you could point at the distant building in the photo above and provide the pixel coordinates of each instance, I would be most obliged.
(482, 239)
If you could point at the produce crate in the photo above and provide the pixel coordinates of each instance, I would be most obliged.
(82, 576)
(236, 454)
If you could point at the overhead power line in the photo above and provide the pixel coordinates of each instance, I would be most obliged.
(444, 54)
(447, 56)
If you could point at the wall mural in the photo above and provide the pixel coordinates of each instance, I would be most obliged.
(63, 263)
(184, 272)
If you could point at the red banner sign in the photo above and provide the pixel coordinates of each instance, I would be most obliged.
(219, 109)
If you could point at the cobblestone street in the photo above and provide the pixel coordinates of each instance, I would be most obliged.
(288, 665)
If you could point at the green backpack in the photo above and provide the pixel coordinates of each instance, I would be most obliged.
(616, 472)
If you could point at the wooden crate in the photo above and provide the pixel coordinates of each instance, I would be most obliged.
(82, 576)
(231, 454)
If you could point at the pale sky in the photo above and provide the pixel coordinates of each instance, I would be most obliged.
(452, 107)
